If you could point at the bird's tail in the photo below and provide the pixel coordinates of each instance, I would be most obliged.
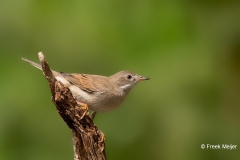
(33, 63)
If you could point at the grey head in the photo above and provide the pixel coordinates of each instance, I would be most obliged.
(126, 80)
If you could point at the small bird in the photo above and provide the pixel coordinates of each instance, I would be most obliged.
(99, 93)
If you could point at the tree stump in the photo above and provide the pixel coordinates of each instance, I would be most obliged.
(88, 140)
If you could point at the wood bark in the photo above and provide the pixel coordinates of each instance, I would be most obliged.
(88, 140)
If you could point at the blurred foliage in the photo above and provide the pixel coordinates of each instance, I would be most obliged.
(190, 49)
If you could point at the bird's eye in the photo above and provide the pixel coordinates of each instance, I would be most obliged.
(129, 76)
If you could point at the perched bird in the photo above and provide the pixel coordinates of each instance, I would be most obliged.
(99, 93)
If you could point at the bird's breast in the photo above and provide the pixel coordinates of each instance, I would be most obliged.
(97, 101)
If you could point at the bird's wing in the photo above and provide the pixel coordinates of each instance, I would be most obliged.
(83, 81)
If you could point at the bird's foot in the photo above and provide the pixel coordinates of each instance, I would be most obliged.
(84, 105)
(84, 108)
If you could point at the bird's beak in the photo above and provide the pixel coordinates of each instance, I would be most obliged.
(141, 78)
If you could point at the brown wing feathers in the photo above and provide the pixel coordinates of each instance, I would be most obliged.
(82, 81)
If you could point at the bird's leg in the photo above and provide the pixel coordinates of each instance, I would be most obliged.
(93, 114)
(84, 107)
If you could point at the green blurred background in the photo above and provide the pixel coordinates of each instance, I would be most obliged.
(191, 51)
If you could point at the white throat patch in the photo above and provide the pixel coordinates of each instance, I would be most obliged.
(126, 86)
